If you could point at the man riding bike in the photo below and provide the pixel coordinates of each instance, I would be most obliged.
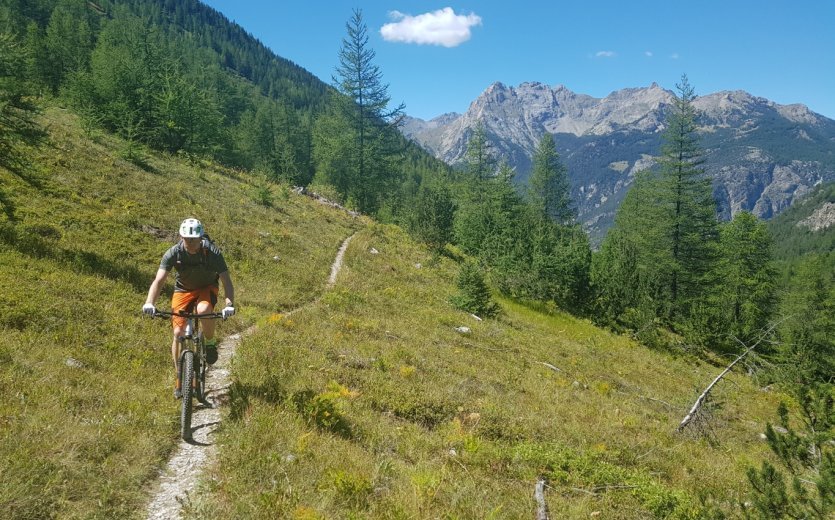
(199, 264)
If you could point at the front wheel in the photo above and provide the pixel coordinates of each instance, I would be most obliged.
(186, 381)
(200, 370)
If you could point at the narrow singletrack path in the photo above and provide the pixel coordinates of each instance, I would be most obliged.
(182, 473)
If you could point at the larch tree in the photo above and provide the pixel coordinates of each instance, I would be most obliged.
(747, 297)
(686, 196)
(549, 188)
(362, 105)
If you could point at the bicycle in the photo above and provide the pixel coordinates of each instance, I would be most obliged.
(191, 365)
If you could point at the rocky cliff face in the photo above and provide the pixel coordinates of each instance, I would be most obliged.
(762, 156)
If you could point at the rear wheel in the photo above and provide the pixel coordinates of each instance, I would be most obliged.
(186, 381)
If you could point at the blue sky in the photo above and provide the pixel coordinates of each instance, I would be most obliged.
(438, 57)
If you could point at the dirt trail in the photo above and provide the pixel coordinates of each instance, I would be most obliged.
(182, 473)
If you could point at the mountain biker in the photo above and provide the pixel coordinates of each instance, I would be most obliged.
(199, 264)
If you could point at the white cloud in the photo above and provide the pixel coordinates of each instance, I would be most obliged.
(648, 54)
(441, 27)
(605, 54)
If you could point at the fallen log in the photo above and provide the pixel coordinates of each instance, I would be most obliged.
(689, 417)
(539, 495)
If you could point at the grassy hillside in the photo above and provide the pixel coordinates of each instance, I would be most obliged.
(369, 404)
(87, 417)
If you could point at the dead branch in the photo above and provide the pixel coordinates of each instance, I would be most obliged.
(539, 495)
(549, 365)
(703, 396)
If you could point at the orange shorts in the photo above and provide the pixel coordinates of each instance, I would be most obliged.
(187, 302)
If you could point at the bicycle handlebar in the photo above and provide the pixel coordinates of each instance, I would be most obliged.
(168, 314)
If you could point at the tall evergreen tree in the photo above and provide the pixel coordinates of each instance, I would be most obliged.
(807, 334)
(747, 296)
(549, 188)
(687, 196)
(473, 221)
(68, 42)
(630, 273)
(363, 103)
(16, 107)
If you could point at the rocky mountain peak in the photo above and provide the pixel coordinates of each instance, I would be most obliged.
(761, 155)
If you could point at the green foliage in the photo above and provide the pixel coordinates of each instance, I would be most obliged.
(355, 142)
(808, 456)
(661, 255)
(807, 332)
(474, 295)
(686, 197)
(549, 189)
(322, 409)
(17, 109)
(747, 296)
(263, 194)
(432, 215)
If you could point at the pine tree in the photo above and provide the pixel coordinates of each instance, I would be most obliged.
(807, 455)
(362, 103)
(68, 41)
(807, 334)
(687, 197)
(473, 222)
(549, 189)
(474, 295)
(17, 110)
(630, 273)
(661, 259)
(432, 215)
(747, 296)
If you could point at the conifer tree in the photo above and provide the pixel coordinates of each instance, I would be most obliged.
(660, 260)
(687, 196)
(363, 103)
(549, 189)
(432, 215)
(807, 334)
(474, 295)
(806, 455)
(16, 108)
(473, 221)
(747, 296)
(630, 272)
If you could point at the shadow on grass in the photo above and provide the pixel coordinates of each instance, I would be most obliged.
(241, 396)
(31, 242)
(8, 206)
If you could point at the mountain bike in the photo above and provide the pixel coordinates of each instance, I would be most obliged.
(191, 365)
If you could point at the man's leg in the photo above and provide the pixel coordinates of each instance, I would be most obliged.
(205, 307)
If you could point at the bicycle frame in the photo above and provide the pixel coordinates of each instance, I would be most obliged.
(191, 364)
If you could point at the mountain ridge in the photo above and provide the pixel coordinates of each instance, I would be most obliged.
(761, 155)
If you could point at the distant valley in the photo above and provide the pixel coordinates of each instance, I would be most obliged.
(762, 156)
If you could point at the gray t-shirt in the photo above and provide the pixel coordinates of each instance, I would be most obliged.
(194, 271)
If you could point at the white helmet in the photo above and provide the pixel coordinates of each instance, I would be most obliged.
(191, 228)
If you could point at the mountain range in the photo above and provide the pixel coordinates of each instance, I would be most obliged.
(761, 155)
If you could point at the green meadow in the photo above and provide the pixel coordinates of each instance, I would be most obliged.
(368, 400)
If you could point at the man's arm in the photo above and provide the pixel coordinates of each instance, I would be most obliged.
(156, 286)
(228, 289)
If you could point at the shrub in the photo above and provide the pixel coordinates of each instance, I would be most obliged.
(474, 294)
